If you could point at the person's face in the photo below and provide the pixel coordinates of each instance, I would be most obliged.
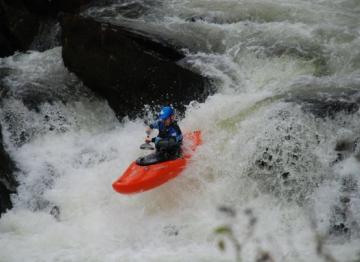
(167, 121)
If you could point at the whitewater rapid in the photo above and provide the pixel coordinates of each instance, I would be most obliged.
(266, 155)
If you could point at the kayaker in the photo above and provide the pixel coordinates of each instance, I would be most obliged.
(169, 139)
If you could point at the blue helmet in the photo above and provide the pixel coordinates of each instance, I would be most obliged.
(166, 112)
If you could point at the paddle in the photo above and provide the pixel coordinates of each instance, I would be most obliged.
(147, 146)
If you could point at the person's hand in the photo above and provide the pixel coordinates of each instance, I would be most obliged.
(148, 140)
(148, 131)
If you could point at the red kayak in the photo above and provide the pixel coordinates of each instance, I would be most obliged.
(138, 178)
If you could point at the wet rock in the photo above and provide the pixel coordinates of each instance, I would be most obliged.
(344, 145)
(346, 148)
(329, 108)
(46, 7)
(22, 20)
(17, 26)
(8, 183)
(327, 104)
(5, 201)
(129, 68)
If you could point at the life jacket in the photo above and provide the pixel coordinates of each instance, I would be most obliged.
(173, 130)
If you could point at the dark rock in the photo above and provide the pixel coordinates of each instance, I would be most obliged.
(5, 201)
(17, 26)
(331, 108)
(344, 145)
(346, 148)
(46, 7)
(22, 20)
(129, 68)
(7, 182)
(329, 104)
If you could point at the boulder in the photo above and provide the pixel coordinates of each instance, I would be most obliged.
(18, 26)
(328, 105)
(331, 108)
(7, 182)
(128, 67)
(22, 20)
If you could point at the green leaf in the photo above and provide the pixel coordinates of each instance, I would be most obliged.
(223, 230)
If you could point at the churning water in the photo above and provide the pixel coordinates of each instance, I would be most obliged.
(280, 163)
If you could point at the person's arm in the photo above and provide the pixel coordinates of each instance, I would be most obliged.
(154, 125)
